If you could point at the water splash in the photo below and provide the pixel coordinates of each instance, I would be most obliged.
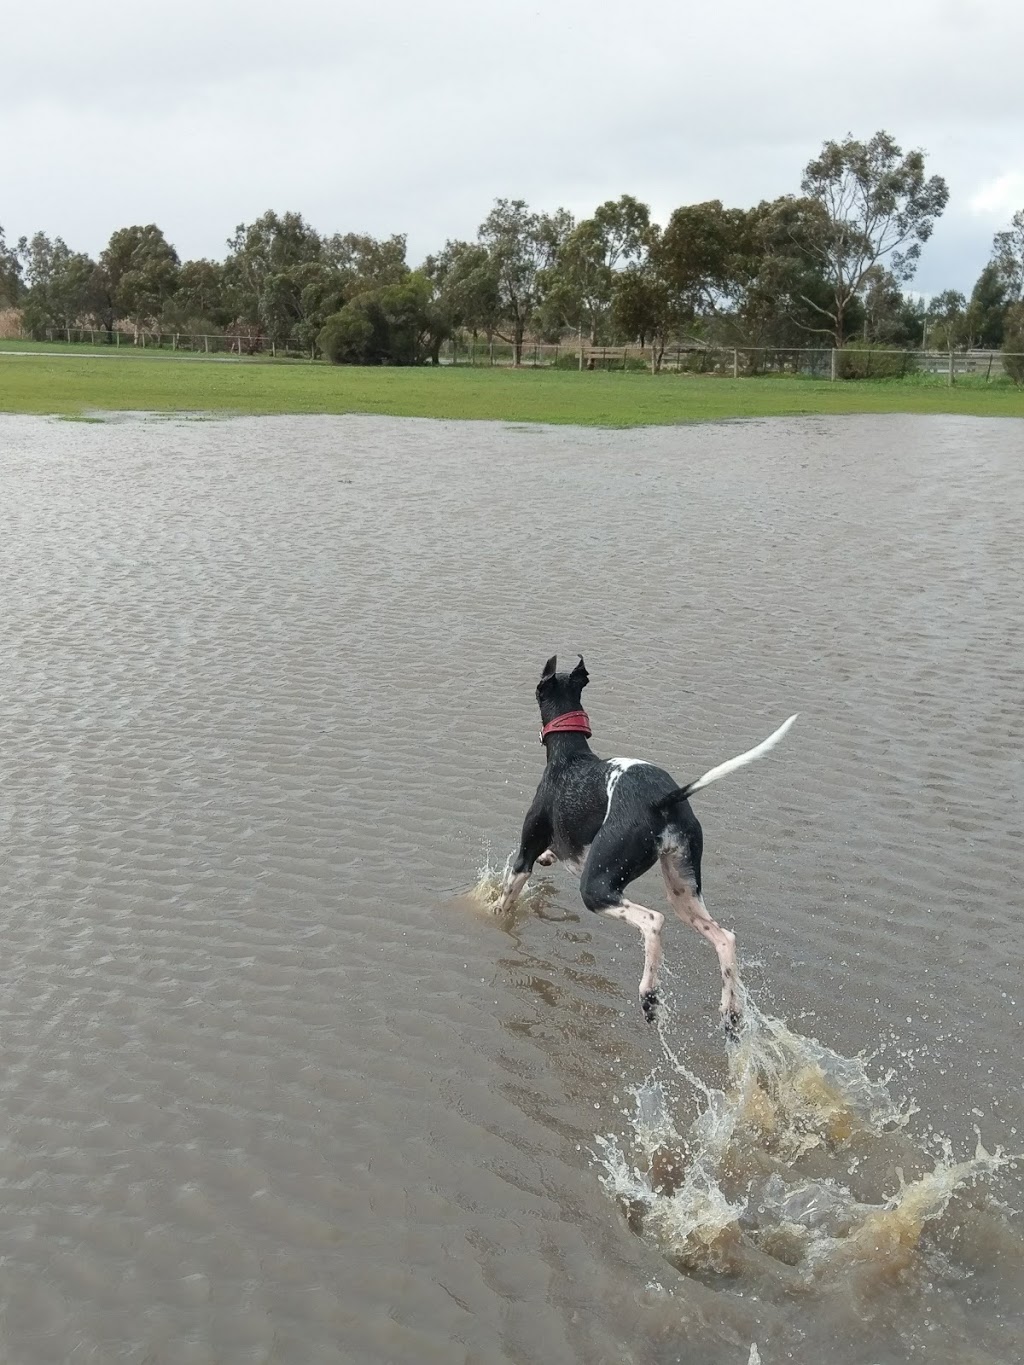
(490, 880)
(736, 1185)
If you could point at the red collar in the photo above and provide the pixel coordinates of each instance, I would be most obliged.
(573, 722)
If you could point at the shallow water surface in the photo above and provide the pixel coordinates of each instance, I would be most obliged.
(277, 1087)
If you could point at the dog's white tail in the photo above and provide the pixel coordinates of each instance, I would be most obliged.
(730, 765)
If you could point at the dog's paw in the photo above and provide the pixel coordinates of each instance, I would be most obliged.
(649, 1004)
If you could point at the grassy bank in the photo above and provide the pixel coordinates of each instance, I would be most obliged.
(79, 384)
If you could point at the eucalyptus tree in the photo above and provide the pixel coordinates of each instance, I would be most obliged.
(869, 203)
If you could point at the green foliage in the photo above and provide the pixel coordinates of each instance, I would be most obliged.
(947, 313)
(346, 337)
(889, 318)
(830, 263)
(521, 248)
(141, 273)
(365, 262)
(10, 274)
(283, 280)
(867, 202)
(780, 296)
(394, 325)
(465, 282)
(579, 284)
(263, 278)
(988, 307)
(1008, 257)
(199, 298)
(643, 306)
(59, 284)
(1013, 344)
(696, 253)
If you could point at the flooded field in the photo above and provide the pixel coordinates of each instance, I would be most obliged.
(278, 1087)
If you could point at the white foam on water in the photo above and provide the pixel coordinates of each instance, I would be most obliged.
(726, 1190)
(490, 880)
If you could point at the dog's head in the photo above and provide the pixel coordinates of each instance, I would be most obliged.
(557, 692)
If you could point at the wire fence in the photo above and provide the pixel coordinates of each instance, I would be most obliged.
(205, 343)
(737, 362)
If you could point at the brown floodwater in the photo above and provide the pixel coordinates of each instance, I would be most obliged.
(276, 1085)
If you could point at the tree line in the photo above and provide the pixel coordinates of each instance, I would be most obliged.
(828, 266)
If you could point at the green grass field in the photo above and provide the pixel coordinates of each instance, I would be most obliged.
(85, 384)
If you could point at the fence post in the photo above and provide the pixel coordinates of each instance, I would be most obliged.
(832, 375)
(952, 377)
(735, 363)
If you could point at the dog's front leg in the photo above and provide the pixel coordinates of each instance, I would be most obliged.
(533, 844)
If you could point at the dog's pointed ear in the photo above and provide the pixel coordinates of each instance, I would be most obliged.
(548, 671)
(580, 673)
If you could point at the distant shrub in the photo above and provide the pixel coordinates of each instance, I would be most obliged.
(346, 337)
(863, 360)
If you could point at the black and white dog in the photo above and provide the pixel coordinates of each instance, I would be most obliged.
(609, 820)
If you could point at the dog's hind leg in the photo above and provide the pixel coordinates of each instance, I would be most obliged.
(683, 886)
(611, 865)
(649, 922)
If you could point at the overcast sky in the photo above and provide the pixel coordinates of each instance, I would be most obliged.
(413, 116)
